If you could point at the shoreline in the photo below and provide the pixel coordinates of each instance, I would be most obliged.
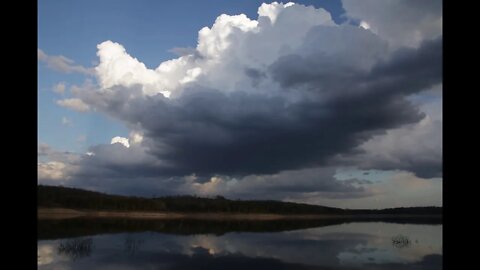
(64, 213)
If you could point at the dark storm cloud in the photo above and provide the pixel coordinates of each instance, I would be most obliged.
(209, 132)
(118, 160)
(426, 164)
(421, 168)
(255, 75)
(281, 185)
(414, 148)
(406, 71)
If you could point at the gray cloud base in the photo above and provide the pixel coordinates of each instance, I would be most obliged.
(208, 132)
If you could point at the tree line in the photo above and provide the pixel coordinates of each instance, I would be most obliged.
(74, 198)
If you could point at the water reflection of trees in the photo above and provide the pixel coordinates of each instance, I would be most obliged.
(84, 227)
(401, 241)
(132, 244)
(76, 248)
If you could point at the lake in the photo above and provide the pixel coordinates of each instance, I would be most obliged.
(184, 244)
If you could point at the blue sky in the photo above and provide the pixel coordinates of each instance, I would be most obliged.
(345, 149)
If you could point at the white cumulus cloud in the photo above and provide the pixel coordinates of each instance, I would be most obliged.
(121, 140)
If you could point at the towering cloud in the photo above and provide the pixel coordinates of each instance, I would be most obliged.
(289, 91)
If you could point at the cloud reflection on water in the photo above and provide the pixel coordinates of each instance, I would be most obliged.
(345, 246)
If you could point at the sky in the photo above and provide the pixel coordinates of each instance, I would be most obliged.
(326, 102)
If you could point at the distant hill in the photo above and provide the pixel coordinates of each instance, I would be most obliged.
(74, 198)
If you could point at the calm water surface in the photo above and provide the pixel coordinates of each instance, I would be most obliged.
(357, 245)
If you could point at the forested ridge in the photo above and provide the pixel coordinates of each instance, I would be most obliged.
(74, 198)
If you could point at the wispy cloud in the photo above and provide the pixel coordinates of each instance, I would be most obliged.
(74, 104)
(59, 88)
(63, 64)
(66, 121)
